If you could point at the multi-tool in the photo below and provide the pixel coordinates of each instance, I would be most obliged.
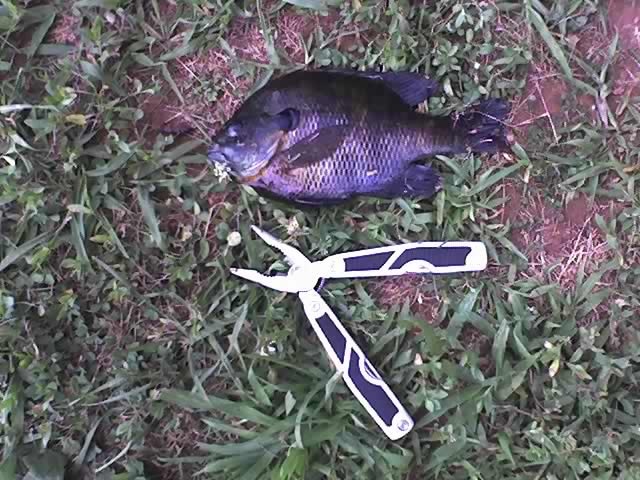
(304, 276)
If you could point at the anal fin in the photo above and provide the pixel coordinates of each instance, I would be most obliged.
(416, 181)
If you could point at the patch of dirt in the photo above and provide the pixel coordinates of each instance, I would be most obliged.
(547, 101)
(211, 90)
(564, 238)
(168, 9)
(593, 43)
(590, 43)
(157, 116)
(476, 341)
(624, 17)
(560, 241)
(395, 291)
(511, 208)
(542, 103)
(292, 30)
(577, 210)
(541, 100)
(211, 83)
(65, 30)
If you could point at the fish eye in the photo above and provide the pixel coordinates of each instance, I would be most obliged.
(233, 130)
(234, 134)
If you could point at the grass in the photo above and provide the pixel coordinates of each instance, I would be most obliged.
(129, 352)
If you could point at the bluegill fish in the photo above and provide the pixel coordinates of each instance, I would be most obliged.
(325, 136)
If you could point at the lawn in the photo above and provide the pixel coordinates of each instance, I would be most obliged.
(130, 352)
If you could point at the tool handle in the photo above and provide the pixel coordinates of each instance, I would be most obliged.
(358, 373)
(418, 257)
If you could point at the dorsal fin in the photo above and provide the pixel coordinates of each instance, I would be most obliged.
(413, 88)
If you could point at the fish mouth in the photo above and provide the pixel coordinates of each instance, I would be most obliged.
(216, 155)
(253, 170)
(242, 164)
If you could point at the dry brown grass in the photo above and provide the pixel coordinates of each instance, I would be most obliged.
(216, 65)
(541, 100)
(558, 242)
(292, 30)
(395, 291)
(65, 30)
(180, 441)
(289, 31)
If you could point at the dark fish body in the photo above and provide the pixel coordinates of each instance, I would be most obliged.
(347, 133)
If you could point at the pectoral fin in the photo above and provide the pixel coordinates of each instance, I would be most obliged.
(288, 119)
(413, 88)
(316, 147)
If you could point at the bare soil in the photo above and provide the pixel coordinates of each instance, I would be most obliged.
(548, 101)
(541, 104)
(65, 30)
(415, 289)
(565, 237)
(194, 74)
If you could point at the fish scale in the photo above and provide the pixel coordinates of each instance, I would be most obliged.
(357, 164)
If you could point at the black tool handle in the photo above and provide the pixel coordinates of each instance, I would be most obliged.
(420, 257)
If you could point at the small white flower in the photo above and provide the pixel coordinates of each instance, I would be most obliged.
(220, 171)
(293, 226)
(234, 239)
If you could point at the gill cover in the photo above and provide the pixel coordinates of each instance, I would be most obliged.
(245, 145)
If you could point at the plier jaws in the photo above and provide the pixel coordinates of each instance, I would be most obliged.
(295, 281)
(293, 255)
(300, 277)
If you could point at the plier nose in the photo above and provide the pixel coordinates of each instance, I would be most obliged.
(300, 276)
(293, 255)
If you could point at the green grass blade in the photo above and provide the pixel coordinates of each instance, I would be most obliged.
(16, 254)
(548, 38)
(499, 346)
(235, 409)
(115, 164)
(8, 467)
(149, 215)
(443, 455)
(37, 36)
(82, 454)
(489, 179)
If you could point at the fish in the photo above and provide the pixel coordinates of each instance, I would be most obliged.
(324, 136)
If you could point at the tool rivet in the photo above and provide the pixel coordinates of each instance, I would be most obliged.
(315, 307)
(404, 425)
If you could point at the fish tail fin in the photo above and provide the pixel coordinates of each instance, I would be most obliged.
(482, 127)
